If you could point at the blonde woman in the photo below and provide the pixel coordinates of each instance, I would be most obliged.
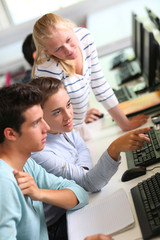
(69, 54)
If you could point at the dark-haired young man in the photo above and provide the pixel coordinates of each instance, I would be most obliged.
(24, 185)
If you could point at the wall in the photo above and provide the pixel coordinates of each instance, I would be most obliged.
(11, 56)
(11, 39)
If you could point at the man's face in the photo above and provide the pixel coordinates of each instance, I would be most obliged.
(33, 130)
(58, 112)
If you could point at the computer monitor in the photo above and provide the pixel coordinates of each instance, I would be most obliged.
(149, 59)
(139, 42)
(134, 33)
(153, 17)
(157, 71)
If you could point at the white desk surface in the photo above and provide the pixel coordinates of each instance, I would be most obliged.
(104, 131)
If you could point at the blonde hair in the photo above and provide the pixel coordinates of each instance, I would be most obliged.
(44, 29)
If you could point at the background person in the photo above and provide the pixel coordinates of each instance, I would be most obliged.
(29, 51)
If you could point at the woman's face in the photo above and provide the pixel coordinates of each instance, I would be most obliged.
(58, 112)
(64, 45)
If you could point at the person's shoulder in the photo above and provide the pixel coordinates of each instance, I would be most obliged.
(30, 166)
(48, 68)
(75, 135)
(47, 63)
(27, 77)
(82, 31)
(6, 176)
(5, 168)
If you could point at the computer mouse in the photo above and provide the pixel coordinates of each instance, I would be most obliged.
(133, 173)
(99, 116)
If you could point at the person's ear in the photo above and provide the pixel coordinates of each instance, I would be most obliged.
(34, 54)
(10, 134)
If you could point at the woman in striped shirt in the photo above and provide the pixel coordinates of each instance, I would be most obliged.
(68, 53)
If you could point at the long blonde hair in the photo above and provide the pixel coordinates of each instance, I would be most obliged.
(44, 29)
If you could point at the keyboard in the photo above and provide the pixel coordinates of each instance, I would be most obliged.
(146, 198)
(149, 154)
(119, 59)
(124, 94)
(128, 71)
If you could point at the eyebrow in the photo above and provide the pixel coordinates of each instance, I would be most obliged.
(37, 120)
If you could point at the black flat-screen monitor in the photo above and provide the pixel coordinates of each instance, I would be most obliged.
(134, 33)
(139, 42)
(157, 71)
(149, 59)
(153, 17)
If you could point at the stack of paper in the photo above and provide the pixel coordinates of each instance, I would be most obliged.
(109, 216)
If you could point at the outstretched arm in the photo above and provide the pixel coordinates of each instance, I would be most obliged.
(132, 140)
(123, 122)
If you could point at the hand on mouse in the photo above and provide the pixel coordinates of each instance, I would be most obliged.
(133, 140)
(92, 115)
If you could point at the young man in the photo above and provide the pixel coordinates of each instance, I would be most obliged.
(66, 154)
(24, 185)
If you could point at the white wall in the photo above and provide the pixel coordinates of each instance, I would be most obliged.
(11, 39)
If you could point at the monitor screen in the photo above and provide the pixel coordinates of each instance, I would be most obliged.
(134, 32)
(139, 40)
(149, 59)
(157, 71)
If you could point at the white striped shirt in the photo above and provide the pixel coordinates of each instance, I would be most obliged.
(78, 86)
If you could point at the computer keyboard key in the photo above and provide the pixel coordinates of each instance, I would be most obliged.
(146, 198)
(149, 154)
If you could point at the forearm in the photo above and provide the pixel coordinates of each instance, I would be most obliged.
(97, 177)
(119, 117)
(124, 123)
(114, 151)
(64, 198)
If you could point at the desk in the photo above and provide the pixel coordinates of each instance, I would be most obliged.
(110, 77)
(102, 137)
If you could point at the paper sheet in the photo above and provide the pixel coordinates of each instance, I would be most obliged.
(110, 215)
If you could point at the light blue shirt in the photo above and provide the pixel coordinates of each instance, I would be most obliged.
(67, 158)
(20, 217)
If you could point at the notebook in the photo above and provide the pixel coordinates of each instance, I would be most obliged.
(111, 215)
(142, 104)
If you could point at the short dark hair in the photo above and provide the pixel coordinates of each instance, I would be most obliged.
(48, 86)
(28, 48)
(14, 100)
